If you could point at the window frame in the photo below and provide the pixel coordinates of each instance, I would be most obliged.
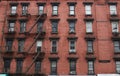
(111, 10)
(19, 66)
(9, 45)
(118, 46)
(72, 68)
(24, 9)
(7, 63)
(23, 26)
(113, 26)
(117, 68)
(86, 9)
(11, 26)
(40, 12)
(40, 45)
(54, 26)
(90, 28)
(53, 10)
(72, 27)
(54, 46)
(72, 10)
(13, 11)
(53, 69)
(21, 43)
(72, 50)
(39, 26)
(89, 70)
(38, 66)
(90, 46)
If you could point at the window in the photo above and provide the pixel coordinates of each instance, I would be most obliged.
(21, 45)
(88, 9)
(71, 26)
(11, 26)
(22, 26)
(72, 67)
(54, 46)
(113, 10)
(71, 10)
(39, 46)
(118, 66)
(53, 67)
(40, 9)
(7, 65)
(114, 26)
(54, 26)
(90, 46)
(13, 10)
(90, 67)
(55, 10)
(37, 66)
(19, 66)
(72, 46)
(9, 45)
(117, 46)
(39, 26)
(89, 27)
(24, 9)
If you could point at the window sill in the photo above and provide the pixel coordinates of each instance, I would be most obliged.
(72, 32)
(54, 53)
(117, 52)
(71, 15)
(89, 53)
(54, 32)
(72, 52)
(89, 32)
(113, 15)
(54, 15)
(88, 15)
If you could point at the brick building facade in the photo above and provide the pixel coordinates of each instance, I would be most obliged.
(59, 37)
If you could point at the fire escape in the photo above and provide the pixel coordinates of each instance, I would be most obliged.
(11, 52)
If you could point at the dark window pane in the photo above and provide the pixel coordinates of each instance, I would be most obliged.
(24, 10)
(54, 46)
(21, 45)
(90, 46)
(9, 45)
(11, 26)
(53, 67)
(72, 26)
(54, 26)
(7, 65)
(37, 66)
(72, 67)
(116, 46)
(22, 27)
(19, 66)
(39, 27)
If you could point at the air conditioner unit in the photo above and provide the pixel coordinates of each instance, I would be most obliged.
(11, 30)
(114, 13)
(73, 72)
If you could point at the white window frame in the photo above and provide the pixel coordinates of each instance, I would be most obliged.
(113, 10)
(40, 8)
(72, 50)
(115, 26)
(71, 10)
(55, 10)
(88, 9)
(24, 9)
(89, 26)
(39, 45)
(117, 66)
(13, 9)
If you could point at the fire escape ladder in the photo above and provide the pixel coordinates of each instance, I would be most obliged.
(38, 53)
